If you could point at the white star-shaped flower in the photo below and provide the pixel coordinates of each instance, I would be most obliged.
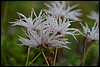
(59, 9)
(93, 33)
(29, 23)
(61, 26)
(44, 39)
(94, 15)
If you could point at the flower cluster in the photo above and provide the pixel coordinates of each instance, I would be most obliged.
(49, 27)
(48, 30)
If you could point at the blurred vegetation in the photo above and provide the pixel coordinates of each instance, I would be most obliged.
(15, 55)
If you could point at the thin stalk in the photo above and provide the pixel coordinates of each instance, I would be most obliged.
(84, 52)
(45, 57)
(34, 59)
(5, 15)
(28, 55)
(84, 56)
(55, 56)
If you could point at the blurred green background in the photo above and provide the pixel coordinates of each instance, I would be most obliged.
(15, 55)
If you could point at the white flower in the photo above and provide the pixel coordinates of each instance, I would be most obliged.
(29, 23)
(94, 15)
(61, 27)
(44, 39)
(93, 33)
(59, 9)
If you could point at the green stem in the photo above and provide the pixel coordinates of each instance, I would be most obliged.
(28, 55)
(84, 52)
(34, 59)
(55, 56)
(45, 57)
(84, 55)
(5, 15)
